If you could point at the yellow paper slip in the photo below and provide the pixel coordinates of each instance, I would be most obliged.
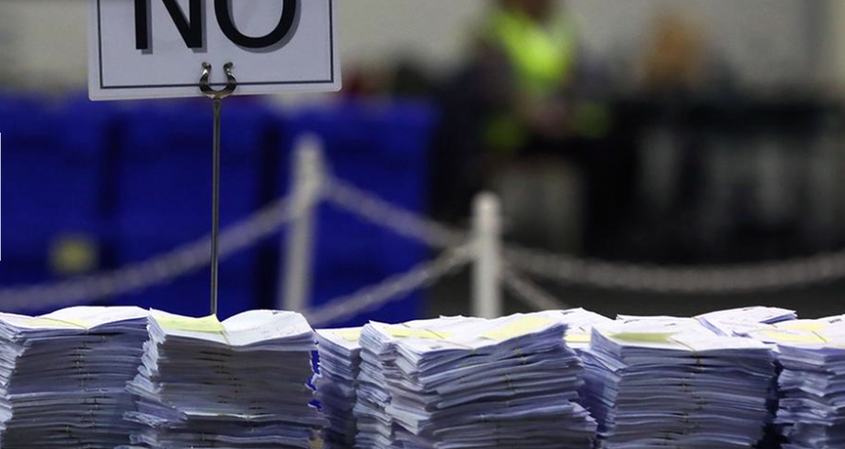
(426, 334)
(578, 338)
(802, 326)
(518, 328)
(352, 335)
(795, 337)
(209, 324)
(644, 337)
(52, 322)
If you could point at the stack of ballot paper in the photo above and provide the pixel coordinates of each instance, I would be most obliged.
(471, 383)
(756, 322)
(375, 427)
(579, 325)
(241, 383)
(340, 363)
(673, 383)
(63, 377)
(812, 383)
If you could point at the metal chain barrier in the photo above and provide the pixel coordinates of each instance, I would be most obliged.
(529, 292)
(601, 274)
(382, 213)
(686, 280)
(560, 268)
(373, 297)
(181, 261)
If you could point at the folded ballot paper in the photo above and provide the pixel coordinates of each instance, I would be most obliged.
(579, 325)
(454, 383)
(666, 382)
(739, 322)
(241, 383)
(811, 413)
(63, 377)
(340, 363)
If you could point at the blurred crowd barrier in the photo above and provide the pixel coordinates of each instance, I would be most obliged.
(90, 187)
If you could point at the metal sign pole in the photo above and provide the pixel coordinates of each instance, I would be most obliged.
(217, 100)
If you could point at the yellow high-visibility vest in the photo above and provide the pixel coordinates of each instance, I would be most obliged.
(543, 56)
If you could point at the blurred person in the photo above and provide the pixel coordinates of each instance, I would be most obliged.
(676, 59)
(526, 58)
(515, 123)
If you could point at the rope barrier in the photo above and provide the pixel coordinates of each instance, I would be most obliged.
(746, 278)
(602, 274)
(529, 292)
(560, 268)
(382, 213)
(392, 289)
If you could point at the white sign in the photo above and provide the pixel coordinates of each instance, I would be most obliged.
(156, 48)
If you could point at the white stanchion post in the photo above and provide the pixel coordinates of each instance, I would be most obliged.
(487, 271)
(298, 250)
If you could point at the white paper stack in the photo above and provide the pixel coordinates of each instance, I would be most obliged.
(456, 383)
(375, 427)
(812, 383)
(236, 384)
(657, 383)
(63, 377)
(340, 364)
(754, 322)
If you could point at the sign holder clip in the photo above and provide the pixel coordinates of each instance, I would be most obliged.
(217, 97)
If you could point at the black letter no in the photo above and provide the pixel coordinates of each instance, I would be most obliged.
(191, 30)
(227, 24)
